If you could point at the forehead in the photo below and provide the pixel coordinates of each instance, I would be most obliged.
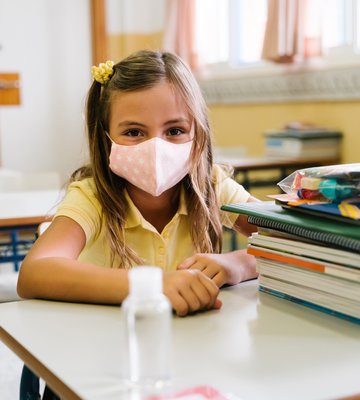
(162, 97)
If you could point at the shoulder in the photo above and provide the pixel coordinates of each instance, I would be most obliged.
(227, 189)
(82, 191)
(82, 205)
(85, 187)
(221, 172)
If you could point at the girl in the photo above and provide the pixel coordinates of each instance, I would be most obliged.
(150, 195)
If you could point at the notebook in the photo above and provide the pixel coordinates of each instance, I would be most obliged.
(270, 215)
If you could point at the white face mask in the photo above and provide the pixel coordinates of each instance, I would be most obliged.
(154, 165)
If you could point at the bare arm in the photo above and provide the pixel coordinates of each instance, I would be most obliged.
(51, 271)
(241, 224)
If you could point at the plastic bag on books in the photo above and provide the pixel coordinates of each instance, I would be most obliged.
(333, 183)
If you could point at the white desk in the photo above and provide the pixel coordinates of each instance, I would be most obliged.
(21, 211)
(28, 205)
(256, 347)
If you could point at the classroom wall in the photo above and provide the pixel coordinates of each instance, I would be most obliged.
(244, 125)
(133, 25)
(48, 43)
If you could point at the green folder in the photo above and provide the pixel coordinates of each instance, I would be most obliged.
(267, 214)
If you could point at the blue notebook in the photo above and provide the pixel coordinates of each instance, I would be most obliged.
(328, 210)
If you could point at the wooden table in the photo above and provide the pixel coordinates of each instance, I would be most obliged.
(256, 347)
(244, 166)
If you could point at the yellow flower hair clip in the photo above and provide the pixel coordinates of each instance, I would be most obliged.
(103, 72)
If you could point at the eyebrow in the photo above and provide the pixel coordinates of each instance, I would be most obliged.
(177, 121)
(170, 122)
(130, 123)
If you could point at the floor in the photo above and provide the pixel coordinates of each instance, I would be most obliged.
(10, 372)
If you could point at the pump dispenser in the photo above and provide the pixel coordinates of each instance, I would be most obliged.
(147, 320)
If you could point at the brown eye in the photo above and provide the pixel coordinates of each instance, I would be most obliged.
(133, 133)
(175, 132)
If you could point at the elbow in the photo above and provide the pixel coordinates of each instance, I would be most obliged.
(23, 284)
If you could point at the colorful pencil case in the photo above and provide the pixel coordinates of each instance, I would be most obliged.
(333, 183)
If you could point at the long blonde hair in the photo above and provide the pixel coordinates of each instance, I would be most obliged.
(140, 71)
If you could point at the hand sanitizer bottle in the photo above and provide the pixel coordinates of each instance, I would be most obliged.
(147, 320)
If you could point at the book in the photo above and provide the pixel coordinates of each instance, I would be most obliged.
(329, 210)
(304, 134)
(343, 212)
(316, 148)
(270, 215)
(309, 299)
(340, 271)
(312, 261)
(305, 262)
(308, 143)
(310, 279)
(319, 143)
(298, 247)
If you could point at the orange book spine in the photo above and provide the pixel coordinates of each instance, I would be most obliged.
(286, 259)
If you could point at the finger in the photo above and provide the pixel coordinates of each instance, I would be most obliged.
(191, 299)
(211, 287)
(218, 304)
(179, 304)
(198, 264)
(219, 279)
(210, 271)
(186, 263)
(202, 294)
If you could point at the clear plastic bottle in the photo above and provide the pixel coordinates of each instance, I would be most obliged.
(147, 318)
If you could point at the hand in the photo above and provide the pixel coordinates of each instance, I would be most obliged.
(228, 268)
(190, 291)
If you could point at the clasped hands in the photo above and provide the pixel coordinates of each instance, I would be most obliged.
(195, 285)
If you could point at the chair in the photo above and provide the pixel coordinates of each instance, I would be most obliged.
(30, 387)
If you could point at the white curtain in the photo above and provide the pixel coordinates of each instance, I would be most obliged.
(292, 31)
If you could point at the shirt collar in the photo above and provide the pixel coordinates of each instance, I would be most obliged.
(134, 217)
(182, 210)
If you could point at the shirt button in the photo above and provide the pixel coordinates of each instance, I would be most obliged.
(161, 250)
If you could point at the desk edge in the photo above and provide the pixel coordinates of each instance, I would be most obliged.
(37, 367)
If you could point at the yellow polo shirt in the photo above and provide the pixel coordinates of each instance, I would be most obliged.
(166, 249)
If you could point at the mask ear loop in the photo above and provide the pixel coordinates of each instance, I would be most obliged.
(107, 134)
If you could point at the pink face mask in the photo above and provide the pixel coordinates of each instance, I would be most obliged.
(154, 165)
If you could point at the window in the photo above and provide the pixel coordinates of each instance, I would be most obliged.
(212, 30)
(231, 32)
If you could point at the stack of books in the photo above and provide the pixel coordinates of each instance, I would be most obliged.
(303, 143)
(310, 260)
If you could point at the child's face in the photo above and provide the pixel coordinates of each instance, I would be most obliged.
(155, 112)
